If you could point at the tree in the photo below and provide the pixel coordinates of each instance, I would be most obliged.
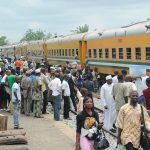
(33, 35)
(3, 40)
(81, 29)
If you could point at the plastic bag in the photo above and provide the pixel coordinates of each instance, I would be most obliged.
(119, 147)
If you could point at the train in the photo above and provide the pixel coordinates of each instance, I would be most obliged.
(108, 50)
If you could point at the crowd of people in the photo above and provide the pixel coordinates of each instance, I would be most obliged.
(28, 87)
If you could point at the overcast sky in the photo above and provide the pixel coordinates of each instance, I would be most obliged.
(62, 16)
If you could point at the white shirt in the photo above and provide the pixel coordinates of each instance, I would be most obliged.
(4, 79)
(16, 88)
(25, 64)
(65, 87)
(115, 79)
(55, 86)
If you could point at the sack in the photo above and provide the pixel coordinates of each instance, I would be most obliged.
(101, 142)
(145, 136)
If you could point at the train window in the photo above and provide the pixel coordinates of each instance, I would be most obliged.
(147, 53)
(72, 52)
(65, 52)
(52, 52)
(69, 52)
(138, 53)
(100, 53)
(77, 52)
(89, 53)
(62, 52)
(128, 53)
(106, 53)
(94, 53)
(113, 53)
(120, 53)
(49, 52)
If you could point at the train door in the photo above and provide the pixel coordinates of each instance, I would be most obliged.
(45, 52)
(84, 52)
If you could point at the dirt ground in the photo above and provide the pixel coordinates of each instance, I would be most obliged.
(43, 134)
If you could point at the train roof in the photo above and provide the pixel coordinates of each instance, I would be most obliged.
(136, 28)
(67, 38)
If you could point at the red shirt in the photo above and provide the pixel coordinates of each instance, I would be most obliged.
(18, 63)
(146, 94)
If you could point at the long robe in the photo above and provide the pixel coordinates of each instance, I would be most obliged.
(107, 100)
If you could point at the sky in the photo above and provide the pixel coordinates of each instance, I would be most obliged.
(62, 16)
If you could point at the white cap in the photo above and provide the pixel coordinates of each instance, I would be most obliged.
(37, 71)
(108, 77)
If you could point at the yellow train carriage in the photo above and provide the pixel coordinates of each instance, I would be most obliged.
(19, 51)
(117, 49)
(9, 51)
(34, 51)
(66, 48)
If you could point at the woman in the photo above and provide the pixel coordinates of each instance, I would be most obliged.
(87, 119)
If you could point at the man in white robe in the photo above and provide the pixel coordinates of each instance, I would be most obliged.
(108, 103)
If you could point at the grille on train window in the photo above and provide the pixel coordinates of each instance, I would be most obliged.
(94, 53)
(120, 53)
(62, 52)
(106, 53)
(89, 53)
(147, 53)
(138, 53)
(100, 53)
(77, 52)
(57, 52)
(72, 52)
(113, 53)
(128, 53)
(69, 52)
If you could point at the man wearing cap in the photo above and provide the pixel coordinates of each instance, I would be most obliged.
(38, 95)
(26, 85)
(109, 104)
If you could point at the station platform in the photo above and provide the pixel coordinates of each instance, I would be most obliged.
(43, 134)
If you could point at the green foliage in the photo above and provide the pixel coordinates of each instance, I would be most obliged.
(31, 35)
(3, 40)
(81, 29)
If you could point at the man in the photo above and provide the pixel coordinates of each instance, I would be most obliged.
(55, 86)
(18, 66)
(44, 89)
(38, 95)
(72, 89)
(118, 93)
(89, 85)
(16, 100)
(66, 96)
(26, 85)
(129, 122)
(146, 94)
(10, 80)
(109, 104)
(115, 79)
